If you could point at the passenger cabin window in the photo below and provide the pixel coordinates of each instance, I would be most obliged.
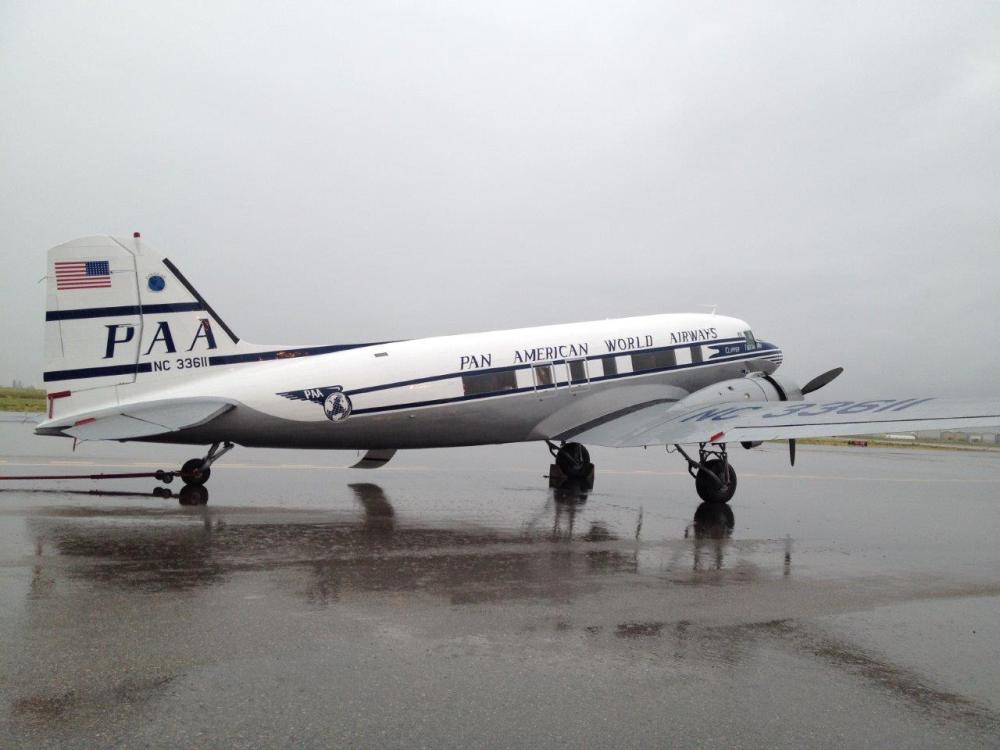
(489, 382)
(653, 360)
(543, 376)
(696, 354)
(578, 371)
(610, 365)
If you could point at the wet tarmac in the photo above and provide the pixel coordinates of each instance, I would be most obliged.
(451, 599)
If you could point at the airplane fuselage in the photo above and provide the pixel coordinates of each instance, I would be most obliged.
(484, 388)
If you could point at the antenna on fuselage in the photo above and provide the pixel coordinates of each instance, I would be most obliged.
(713, 308)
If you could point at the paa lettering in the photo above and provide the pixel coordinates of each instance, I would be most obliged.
(122, 333)
(113, 339)
(162, 334)
(474, 361)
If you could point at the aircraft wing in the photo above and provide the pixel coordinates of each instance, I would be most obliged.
(770, 420)
(141, 420)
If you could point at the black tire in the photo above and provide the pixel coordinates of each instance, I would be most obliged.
(708, 486)
(193, 474)
(573, 460)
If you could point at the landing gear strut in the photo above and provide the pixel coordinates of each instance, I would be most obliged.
(572, 465)
(714, 476)
(197, 471)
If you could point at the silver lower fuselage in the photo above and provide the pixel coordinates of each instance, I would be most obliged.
(525, 414)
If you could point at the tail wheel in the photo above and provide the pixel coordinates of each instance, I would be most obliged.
(573, 459)
(193, 474)
(709, 488)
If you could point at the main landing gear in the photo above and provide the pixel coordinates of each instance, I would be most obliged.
(197, 471)
(714, 476)
(572, 465)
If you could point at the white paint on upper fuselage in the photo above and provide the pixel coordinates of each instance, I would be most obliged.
(417, 359)
(388, 384)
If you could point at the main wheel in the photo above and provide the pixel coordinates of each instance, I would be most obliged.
(192, 473)
(709, 488)
(573, 460)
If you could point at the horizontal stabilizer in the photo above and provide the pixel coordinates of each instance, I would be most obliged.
(143, 420)
(375, 459)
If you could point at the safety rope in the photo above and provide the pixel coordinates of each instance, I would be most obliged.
(159, 474)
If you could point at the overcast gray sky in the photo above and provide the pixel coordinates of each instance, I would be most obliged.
(334, 172)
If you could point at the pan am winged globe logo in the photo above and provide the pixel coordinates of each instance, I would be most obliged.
(336, 404)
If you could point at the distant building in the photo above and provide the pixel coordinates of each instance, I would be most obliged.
(953, 436)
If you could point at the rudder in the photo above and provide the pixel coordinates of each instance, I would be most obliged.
(117, 313)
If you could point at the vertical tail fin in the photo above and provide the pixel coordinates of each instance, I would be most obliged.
(117, 313)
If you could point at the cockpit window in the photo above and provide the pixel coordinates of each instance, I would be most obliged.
(751, 341)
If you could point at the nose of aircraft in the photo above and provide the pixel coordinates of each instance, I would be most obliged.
(771, 361)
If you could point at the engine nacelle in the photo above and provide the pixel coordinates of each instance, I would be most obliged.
(755, 387)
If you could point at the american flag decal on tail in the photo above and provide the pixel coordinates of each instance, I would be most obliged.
(82, 274)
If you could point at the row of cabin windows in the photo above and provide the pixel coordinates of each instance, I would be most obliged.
(489, 382)
(653, 360)
(506, 380)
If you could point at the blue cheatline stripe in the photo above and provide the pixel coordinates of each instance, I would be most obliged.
(110, 312)
(529, 389)
(224, 359)
(589, 358)
(308, 351)
(96, 372)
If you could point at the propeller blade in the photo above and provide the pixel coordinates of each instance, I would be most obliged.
(791, 450)
(820, 380)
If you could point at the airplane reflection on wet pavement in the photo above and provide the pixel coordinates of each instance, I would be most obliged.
(370, 550)
(164, 603)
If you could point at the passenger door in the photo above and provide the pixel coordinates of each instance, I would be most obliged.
(544, 379)
(578, 375)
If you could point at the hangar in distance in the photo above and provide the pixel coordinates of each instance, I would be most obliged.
(134, 352)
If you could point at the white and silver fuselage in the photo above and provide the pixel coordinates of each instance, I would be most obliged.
(497, 387)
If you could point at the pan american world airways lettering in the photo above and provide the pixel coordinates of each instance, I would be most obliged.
(700, 334)
(624, 344)
(546, 353)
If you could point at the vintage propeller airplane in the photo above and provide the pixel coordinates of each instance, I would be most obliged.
(134, 352)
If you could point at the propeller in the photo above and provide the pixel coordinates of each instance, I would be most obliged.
(813, 385)
(820, 380)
